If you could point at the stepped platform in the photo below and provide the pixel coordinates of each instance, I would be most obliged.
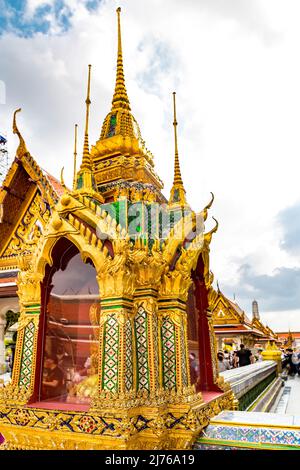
(251, 430)
(256, 385)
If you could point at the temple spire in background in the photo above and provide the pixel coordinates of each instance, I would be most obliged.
(75, 156)
(177, 195)
(255, 311)
(85, 179)
(86, 159)
(120, 98)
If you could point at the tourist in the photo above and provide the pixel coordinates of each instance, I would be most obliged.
(245, 357)
(194, 368)
(235, 359)
(223, 363)
(290, 365)
(64, 361)
(53, 381)
(228, 357)
(296, 361)
(259, 356)
(226, 354)
(13, 350)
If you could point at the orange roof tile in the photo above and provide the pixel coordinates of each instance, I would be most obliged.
(56, 185)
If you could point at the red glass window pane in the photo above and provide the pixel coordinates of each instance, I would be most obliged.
(69, 366)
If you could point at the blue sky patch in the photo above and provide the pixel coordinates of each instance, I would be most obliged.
(14, 20)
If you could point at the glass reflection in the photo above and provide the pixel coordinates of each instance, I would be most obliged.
(71, 331)
(193, 338)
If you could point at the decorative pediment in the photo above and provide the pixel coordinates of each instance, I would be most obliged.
(30, 222)
(27, 196)
(223, 313)
(258, 325)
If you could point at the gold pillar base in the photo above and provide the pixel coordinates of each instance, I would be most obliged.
(19, 438)
(162, 427)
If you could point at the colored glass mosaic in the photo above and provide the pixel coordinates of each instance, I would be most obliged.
(25, 374)
(112, 125)
(183, 357)
(142, 349)
(79, 181)
(128, 359)
(168, 351)
(253, 435)
(155, 346)
(110, 373)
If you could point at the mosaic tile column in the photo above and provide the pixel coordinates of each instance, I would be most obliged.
(29, 293)
(116, 346)
(26, 347)
(174, 365)
(146, 340)
(2, 345)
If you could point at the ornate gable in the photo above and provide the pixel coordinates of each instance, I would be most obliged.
(26, 197)
(223, 313)
(29, 224)
(256, 323)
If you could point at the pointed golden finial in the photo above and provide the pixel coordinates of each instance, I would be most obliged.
(177, 173)
(86, 159)
(208, 235)
(177, 195)
(204, 213)
(75, 157)
(84, 179)
(120, 98)
(62, 181)
(21, 150)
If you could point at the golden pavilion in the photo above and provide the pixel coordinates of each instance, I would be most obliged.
(115, 292)
(233, 326)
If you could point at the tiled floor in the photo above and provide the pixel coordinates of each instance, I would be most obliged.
(255, 418)
(293, 407)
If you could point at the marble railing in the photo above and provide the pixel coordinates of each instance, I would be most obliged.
(249, 382)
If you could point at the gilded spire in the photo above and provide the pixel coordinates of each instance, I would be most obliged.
(86, 159)
(177, 196)
(75, 156)
(177, 173)
(120, 98)
(85, 179)
(120, 138)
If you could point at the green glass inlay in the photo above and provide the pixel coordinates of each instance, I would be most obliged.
(176, 195)
(112, 307)
(79, 182)
(112, 125)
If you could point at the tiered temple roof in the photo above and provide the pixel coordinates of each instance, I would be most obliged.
(229, 318)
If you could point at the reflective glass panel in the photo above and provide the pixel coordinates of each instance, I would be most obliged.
(69, 365)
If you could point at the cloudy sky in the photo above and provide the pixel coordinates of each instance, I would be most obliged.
(236, 69)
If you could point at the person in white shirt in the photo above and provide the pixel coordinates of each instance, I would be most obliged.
(223, 364)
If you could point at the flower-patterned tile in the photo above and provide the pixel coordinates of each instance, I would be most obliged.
(254, 418)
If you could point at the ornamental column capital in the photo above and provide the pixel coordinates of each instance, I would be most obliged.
(29, 287)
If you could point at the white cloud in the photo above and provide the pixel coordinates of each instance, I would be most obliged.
(234, 67)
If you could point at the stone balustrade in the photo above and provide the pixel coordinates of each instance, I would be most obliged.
(249, 382)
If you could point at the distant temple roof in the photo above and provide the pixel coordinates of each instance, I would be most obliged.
(229, 318)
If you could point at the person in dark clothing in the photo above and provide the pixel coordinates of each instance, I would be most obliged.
(194, 368)
(291, 366)
(244, 356)
(13, 349)
(53, 381)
